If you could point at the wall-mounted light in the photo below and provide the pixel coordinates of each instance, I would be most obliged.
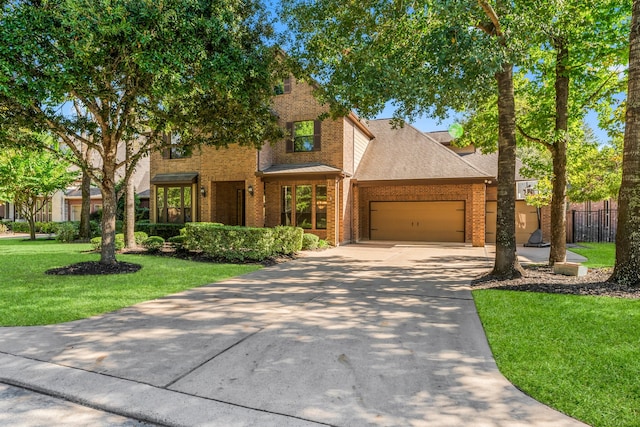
(250, 190)
(203, 191)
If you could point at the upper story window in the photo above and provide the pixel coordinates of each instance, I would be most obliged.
(305, 136)
(282, 86)
(176, 149)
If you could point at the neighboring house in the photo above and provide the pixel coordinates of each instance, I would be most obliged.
(66, 205)
(72, 198)
(343, 180)
(47, 213)
(4, 210)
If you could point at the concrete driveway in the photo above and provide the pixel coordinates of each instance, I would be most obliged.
(361, 335)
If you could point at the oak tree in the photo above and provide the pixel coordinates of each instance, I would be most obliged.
(627, 266)
(139, 68)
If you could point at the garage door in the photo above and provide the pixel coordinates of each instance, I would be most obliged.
(526, 222)
(417, 221)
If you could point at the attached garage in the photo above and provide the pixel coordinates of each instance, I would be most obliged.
(432, 221)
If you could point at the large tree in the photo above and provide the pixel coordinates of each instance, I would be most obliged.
(29, 178)
(424, 57)
(567, 71)
(139, 68)
(627, 267)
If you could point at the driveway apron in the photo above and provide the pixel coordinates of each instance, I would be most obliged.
(362, 335)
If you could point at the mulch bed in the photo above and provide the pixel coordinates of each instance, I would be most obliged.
(95, 268)
(542, 279)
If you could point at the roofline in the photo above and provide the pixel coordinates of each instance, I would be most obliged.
(297, 175)
(422, 181)
(97, 196)
(356, 120)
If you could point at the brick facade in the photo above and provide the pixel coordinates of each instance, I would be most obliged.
(230, 177)
(472, 194)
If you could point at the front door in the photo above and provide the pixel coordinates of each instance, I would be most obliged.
(240, 214)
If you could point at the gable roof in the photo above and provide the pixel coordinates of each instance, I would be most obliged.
(489, 163)
(408, 154)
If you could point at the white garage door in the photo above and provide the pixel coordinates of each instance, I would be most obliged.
(417, 221)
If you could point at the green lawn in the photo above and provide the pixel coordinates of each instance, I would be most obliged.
(598, 254)
(578, 354)
(30, 297)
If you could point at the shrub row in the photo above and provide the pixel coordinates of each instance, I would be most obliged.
(234, 243)
(159, 229)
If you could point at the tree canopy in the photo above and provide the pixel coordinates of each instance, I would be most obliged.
(108, 74)
(29, 178)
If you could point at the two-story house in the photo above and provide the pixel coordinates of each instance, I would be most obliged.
(344, 180)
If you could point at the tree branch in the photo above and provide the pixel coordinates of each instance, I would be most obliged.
(599, 90)
(528, 137)
(491, 14)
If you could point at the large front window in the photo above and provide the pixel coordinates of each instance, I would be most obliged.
(304, 206)
(173, 204)
(303, 136)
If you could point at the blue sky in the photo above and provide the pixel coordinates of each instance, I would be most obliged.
(427, 124)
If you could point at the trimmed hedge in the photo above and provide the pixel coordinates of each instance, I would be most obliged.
(153, 244)
(310, 241)
(67, 232)
(140, 237)
(159, 229)
(235, 243)
(96, 242)
(178, 243)
(20, 227)
(287, 240)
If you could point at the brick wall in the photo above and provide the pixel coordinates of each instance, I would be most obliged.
(472, 194)
(231, 164)
(300, 105)
(274, 205)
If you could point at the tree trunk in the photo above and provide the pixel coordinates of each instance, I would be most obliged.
(32, 226)
(85, 224)
(109, 201)
(129, 214)
(558, 250)
(627, 268)
(506, 264)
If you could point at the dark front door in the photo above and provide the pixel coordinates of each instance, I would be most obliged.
(240, 214)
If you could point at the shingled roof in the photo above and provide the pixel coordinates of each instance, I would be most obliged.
(489, 163)
(408, 154)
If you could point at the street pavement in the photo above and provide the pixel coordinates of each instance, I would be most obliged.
(377, 334)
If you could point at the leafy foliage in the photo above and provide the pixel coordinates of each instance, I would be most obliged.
(235, 243)
(113, 75)
(67, 232)
(310, 241)
(30, 177)
(153, 243)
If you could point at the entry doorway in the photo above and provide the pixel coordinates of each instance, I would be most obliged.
(229, 203)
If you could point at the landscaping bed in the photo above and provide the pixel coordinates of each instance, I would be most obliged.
(542, 279)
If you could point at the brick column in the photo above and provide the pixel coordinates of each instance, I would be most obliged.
(478, 213)
(332, 212)
(355, 195)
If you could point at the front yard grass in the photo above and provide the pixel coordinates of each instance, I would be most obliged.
(578, 354)
(598, 254)
(30, 297)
